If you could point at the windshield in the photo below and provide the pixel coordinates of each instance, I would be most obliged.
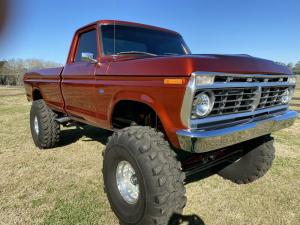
(138, 40)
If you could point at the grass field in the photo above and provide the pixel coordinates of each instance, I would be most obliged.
(64, 185)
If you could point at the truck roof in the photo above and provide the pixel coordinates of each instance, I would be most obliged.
(120, 22)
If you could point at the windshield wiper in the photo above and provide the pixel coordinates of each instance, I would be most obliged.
(136, 52)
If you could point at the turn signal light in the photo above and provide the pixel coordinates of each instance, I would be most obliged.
(174, 81)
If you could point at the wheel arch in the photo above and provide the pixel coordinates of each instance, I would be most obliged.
(36, 94)
(146, 100)
(121, 103)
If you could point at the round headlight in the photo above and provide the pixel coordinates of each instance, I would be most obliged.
(286, 96)
(203, 104)
(292, 80)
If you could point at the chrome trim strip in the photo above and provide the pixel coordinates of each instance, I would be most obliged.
(204, 141)
(217, 85)
(240, 75)
(257, 98)
(186, 108)
(232, 116)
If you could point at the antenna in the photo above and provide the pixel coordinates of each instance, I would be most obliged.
(114, 37)
(114, 9)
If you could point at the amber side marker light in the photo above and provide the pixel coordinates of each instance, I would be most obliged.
(174, 81)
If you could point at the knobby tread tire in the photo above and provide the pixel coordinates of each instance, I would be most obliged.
(166, 192)
(49, 128)
(253, 165)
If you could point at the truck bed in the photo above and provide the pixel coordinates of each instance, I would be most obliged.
(45, 84)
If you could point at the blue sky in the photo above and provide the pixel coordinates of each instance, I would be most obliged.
(263, 28)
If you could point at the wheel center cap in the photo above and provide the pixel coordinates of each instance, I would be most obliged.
(127, 182)
(133, 179)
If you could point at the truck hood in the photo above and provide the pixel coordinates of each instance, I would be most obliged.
(184, 65)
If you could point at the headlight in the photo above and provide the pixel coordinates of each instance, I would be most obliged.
(203, 104)
(292, 80)
(287, 96)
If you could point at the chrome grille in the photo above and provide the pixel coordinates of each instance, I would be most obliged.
(233, 100)
(271, 96)
(238, 97)
(238, 100)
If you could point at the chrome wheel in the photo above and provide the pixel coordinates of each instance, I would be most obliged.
(36, 125)
(127, 182)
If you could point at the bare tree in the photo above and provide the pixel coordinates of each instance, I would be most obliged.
(290, 66)
(12, 71)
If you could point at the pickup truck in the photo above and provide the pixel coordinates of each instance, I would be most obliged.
(176, 117)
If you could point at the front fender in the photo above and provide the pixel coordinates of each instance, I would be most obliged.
(153, 102)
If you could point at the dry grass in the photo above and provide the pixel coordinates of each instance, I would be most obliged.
(64, 185)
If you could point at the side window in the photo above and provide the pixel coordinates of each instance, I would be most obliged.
(87, 43)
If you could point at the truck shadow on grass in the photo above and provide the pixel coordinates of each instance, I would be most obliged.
(178, 219)
(71, 135)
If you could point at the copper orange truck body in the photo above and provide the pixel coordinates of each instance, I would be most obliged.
(116, 76)
(74, 89)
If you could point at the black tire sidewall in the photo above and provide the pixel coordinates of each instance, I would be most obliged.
(254, 164)
(34, 112)
(49, 129)
(130, 213)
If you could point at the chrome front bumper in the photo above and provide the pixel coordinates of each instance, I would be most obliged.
(203, 141)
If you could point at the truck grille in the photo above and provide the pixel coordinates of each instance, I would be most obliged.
(270, 96)
(233, 100)
(238, 100)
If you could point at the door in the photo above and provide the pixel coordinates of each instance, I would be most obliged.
(78, 78)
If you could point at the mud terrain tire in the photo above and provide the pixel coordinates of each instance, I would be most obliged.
(45, 130)
(253, 165)
(159, 176)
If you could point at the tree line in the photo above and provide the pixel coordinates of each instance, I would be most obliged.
(295, 68)
(12, 71)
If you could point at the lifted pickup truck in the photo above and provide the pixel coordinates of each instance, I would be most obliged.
(177, 117)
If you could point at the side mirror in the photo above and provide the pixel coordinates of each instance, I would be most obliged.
(88, 57)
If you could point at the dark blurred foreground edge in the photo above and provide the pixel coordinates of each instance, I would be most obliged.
(3, 13)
